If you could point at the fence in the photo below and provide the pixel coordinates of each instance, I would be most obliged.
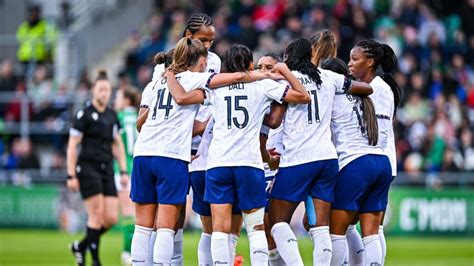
(45, 203)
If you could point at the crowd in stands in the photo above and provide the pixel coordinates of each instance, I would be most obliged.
(434, 42)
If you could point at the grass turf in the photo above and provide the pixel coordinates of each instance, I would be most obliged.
(43, 247)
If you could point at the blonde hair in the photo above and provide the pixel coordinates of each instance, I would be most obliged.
(187, 53)
(323, 46)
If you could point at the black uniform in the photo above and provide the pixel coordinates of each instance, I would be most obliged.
(95, 163)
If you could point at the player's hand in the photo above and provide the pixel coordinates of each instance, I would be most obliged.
(280, 68)
(273, 152)
(124, 179)
(274, 162)
(168, 73)
(194, 157)
(73, 184)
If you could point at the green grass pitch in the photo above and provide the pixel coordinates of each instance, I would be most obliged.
(43, 247)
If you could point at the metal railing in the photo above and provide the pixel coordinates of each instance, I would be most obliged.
(25, 126)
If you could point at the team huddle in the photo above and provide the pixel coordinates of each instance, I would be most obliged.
(250, 143)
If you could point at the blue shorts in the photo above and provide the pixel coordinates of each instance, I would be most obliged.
(268, 186)
(240, 185)
(157, 179)
(316, 179)
(363, 184)
(200, 206)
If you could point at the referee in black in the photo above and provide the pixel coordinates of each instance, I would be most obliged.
(96, 128)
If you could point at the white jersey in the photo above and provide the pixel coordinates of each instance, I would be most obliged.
(238, 114)
(349, 130)
(199, 164)
(274, 140)
(168, 128)
(384, 109)
(213, 66)
(307, 132)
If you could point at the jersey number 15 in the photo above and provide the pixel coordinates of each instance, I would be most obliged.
(237, 107)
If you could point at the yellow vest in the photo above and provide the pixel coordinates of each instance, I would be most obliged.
(33, 41)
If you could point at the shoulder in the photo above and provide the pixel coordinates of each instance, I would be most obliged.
(381, 88)
(110, 112)
(214, 58)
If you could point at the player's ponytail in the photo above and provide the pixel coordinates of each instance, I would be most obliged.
(385, 62)
(370, 120)
(101, 75)
(298, 57)
(370, 128)
(164, 58)
(323, 46)
(187, 53)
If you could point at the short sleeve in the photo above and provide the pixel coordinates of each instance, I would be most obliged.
(198, 80)
(79, 123)
(158, 72)
(203, 113)
(146, 95)
(117, 125)
(274, 90)
(383, 102)
(342, 83)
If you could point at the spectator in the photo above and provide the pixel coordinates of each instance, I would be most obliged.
(36, 38)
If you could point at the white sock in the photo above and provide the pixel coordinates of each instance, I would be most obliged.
(383, 243)
(140, 247)
(338, 249)
(322, 246)
(233, 239)
(220, 248)
(274, 258)
(346, 255)
(178, 249)
(151, 246)
(287, 244)
(204, 250)
(258, 248)
(163, 249)
(356, 250)
(373, 250)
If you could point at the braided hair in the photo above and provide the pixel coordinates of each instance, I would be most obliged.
(385, 62)
(371, 128)
(196, 21)
(298, 57)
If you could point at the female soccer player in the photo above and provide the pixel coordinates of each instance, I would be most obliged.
(96, 128)
(323, 46)
(234, 165)
(161, 153)
(372, 62)
(271, 149)
(127, 100)
(304, 169)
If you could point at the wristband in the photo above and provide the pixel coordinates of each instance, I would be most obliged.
(123, 173)
(69, 177)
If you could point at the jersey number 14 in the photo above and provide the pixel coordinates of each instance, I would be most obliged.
(159, 104)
